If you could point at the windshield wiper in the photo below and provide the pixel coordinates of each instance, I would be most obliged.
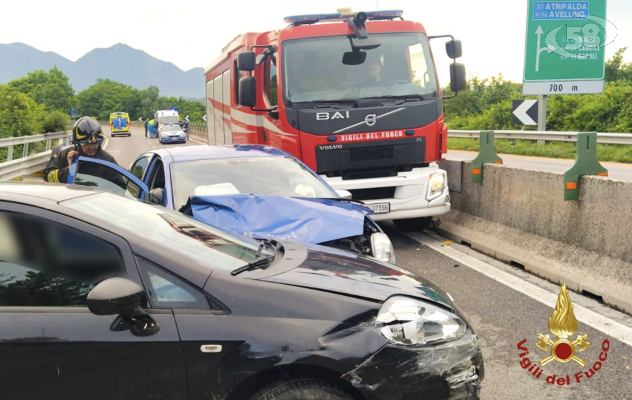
(260, 264)
(342, 199)
(327, 103)
(399, 97)
(266, 242)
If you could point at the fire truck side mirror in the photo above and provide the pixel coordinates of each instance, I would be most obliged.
(247, 91)
(246, 61)
(458, 80)
(454, 49)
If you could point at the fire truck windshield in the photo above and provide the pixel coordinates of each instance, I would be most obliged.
(400, 67)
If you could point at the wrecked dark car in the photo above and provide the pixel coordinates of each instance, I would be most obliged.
(94, 305)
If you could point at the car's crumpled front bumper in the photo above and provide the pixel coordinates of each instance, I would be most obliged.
(451, 370)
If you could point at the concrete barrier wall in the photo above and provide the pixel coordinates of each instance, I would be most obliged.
(533, 201)
(520, 216)
(199, 135)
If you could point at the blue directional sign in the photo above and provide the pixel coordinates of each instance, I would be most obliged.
(558, 10)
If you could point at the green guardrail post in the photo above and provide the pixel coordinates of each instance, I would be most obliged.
(486, 154)
(585, 164)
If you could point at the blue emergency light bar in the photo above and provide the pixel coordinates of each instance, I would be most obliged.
(314, 18)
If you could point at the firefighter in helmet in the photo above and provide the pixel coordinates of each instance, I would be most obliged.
(86, 139)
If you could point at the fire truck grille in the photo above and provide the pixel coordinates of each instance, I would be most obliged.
(360, 160)
(373, 193)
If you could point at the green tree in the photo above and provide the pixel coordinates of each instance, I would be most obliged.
(107, 96)
(148, 100)
(481, 94)
(485, 105)
(51, 89)
(616, 69)
(20, 115)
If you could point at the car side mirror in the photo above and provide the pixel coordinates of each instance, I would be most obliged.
(123, 297)
(115, 296)
(458, 81)
(246, 61)
(156, 196)
(345, 194)
(454, 49)
(248, 91)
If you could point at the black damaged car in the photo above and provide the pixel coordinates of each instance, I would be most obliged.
(105, 297)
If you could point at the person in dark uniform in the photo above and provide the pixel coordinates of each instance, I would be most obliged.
(146, 123)
(86, 139)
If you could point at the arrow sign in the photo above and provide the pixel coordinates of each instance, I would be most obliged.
(525, 112)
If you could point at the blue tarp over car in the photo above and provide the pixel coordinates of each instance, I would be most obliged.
(281, 218)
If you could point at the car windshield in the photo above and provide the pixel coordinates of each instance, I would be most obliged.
(274, 176)
(170, 119)
(400, 66)
(164, 227)
(171, 127)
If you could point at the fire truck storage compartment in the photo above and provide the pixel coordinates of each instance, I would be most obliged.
(383, 158)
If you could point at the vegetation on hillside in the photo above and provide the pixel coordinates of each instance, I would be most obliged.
(41, 102)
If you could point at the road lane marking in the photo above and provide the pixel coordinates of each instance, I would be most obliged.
(196, 141)
(603, 324)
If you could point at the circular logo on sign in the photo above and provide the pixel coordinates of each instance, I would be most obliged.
(370, 119)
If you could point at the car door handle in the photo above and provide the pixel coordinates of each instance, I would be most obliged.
(211, 348)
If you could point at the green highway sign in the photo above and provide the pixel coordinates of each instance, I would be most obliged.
(564, 50)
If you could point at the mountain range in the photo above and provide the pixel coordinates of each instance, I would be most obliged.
(120, 63)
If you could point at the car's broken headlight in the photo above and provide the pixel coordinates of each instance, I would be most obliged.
(382, 248)
(411, 322)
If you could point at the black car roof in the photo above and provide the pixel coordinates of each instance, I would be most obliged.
(44, 192)
(48, 195)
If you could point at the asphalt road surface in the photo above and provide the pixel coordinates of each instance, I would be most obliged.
(615, 170)
(505, 306)
(125, 149)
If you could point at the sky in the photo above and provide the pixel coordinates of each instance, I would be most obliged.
(191, 33)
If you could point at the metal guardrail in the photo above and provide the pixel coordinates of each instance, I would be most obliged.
(28, 164)
(200, 126)
(602, 138)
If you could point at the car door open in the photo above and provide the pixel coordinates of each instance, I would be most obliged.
(88, 171)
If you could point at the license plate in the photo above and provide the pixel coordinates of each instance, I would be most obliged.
(379, 208)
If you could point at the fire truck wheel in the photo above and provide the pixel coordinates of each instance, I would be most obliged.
(413, 224)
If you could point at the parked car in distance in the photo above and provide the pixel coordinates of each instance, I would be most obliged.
(120, 124)
(105, 297)
(255, 190)
(171, 133)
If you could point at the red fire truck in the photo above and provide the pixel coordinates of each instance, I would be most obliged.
(355, 96)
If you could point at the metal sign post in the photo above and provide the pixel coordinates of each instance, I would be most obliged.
(542, 113)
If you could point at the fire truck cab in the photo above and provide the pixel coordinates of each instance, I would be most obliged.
(354, 96)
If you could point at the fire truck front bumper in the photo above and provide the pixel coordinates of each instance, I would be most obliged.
(407, 195)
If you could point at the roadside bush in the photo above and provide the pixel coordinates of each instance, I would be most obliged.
(56, 121)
